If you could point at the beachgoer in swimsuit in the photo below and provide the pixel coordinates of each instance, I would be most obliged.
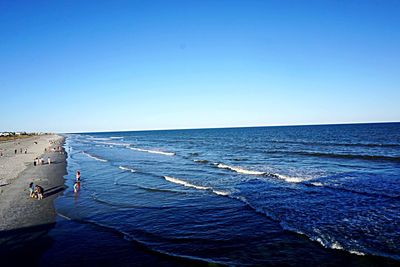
(77, 186)
(31, 189)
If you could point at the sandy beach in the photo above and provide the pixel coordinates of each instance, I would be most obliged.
(24, 220)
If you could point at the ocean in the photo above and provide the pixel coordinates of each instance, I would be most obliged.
(289, 195)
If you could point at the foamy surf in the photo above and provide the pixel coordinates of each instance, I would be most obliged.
(153, 151)
(184, 183)
(289, 179)
(126, 169)
(238, 170)
(99, 139)
(116, 137)
(336, 245)
(111, 143)
(94, 157)
(317, 184)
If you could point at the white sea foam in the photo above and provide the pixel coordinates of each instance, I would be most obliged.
(357, 252)
(116, 137)
(99, 139)
(336, 245)
(317, 184)
(153, 151)
(289, 179)
(221, 193)
(238, 170)
(187, 184)
(63, 216)
(126, 169)
(112, 144)
(94, 157)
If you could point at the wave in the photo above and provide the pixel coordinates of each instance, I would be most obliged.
(94, 157)
(95, 197)
(63, 216)
(238, 170)
(317, 184)
(364, 193)
(289, 179)
(112, 144)
(126, 169)
(187, 184)
(335, 245)
(148, 246)
(99, 139)
(340, 156)
(153, 151)
(336, 144)
(331, 245)
(151, 189)
(116, 137)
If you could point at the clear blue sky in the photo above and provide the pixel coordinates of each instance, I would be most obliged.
(69, 66)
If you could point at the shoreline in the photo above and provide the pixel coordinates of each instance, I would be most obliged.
(24, 221)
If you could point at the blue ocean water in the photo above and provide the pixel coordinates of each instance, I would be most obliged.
(243, 196)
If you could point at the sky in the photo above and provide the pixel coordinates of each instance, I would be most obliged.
(77, 66)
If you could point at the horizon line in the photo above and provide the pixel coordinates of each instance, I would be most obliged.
(233, 127)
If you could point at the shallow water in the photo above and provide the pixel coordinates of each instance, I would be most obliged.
(245, 196)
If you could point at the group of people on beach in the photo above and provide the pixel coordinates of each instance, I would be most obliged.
(25, 151)
(36, 191)
(40, 161)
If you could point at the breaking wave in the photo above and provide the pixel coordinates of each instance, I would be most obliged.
(94, 157)
(126, 169)
(289, 179)
(153, 151)
(187, 184)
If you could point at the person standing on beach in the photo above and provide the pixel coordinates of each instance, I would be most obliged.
(48, 160)
(15, 151)
(31, 189)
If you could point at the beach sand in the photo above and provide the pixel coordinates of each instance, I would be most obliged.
(24, 221)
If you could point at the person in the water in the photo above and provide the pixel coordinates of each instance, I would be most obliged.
(77, 186)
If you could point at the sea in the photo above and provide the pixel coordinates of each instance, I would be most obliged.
(321, 195)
